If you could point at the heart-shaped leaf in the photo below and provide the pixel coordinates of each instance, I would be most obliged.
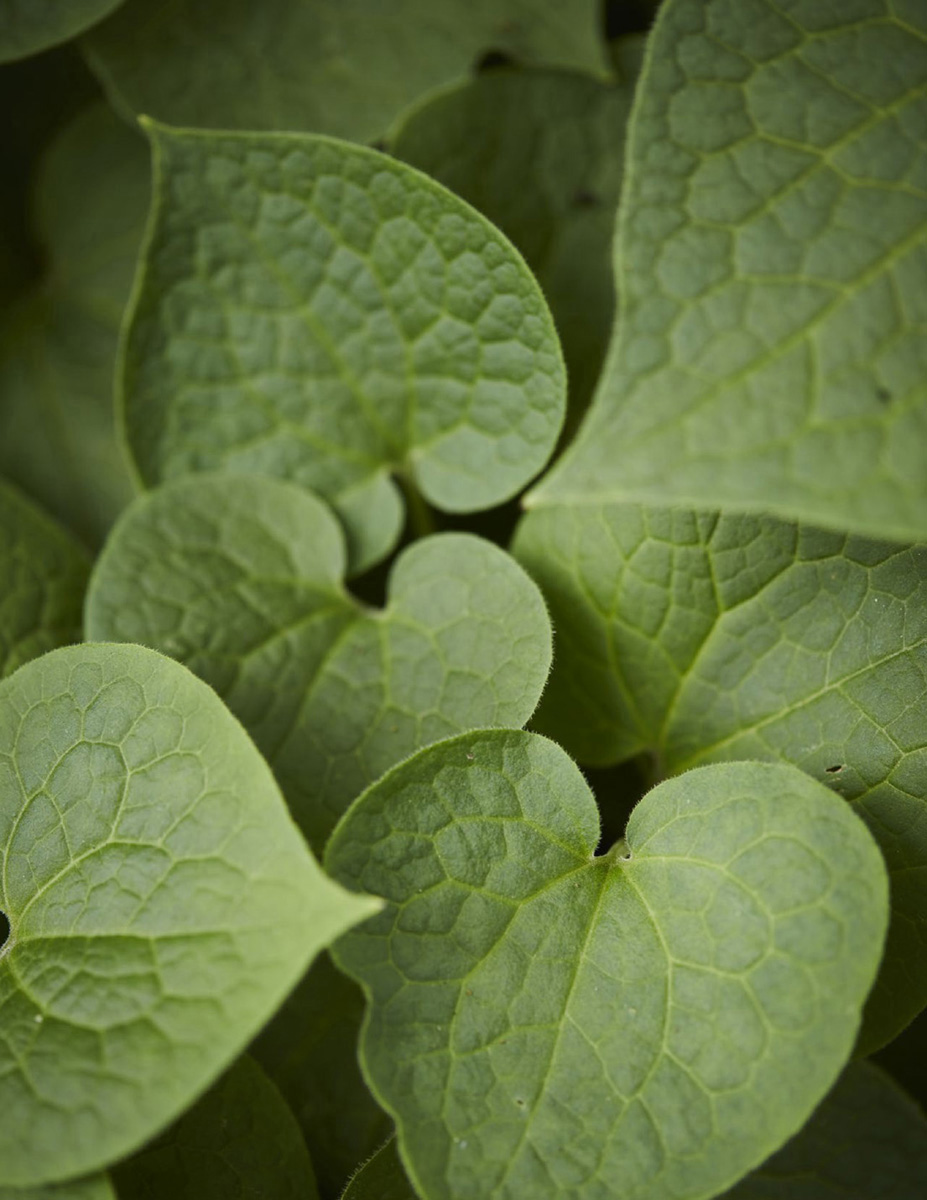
(770, 256)
(241, 578)
(27, 27)
(239, 1140)
(704, 637)
(43, 573)
(160, 903)
(654, 1022)
(541, 153)
(317, 311)
(58, 344)
(321, 65)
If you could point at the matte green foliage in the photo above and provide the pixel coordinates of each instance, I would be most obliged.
(346, 67)
(43, 573)
(58, 345)
(541, 154)
(381, 1178)
(317, 311)
(770, 255)
(309, 1050)
(28, 26)
(239, 1142)
(241, 579)
(701, 638)
(651, 1022)
(160, 903)
(96, 1187)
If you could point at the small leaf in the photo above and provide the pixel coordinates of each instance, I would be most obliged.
(381, 1178)
(241, 578)
(770, 254)
(541, 154)
(867, 1141)
(320, 312)
(58, 344)
(653, 1022)
(160, 902)
(238, 1142)
(321, 65)
(705, 637)
(309, 1050)
(43, 573)
(26, 26)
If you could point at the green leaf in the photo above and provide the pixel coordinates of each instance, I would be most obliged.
(57, 347)
(28, 26)
(239, 1142)
(96, 1187)
(326, 66)
(706, 637)
(867, 1141)
(317, 311)
(381, 1178)
(652, 1022)
(241, 578)
(43, 573)
(904, 1059)
(771, 254)
(541, 154)
(309, 1050)
(160, 901)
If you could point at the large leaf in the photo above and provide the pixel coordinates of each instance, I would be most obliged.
(309, 1050)
(652, 1022)
(28, 26)
(317, 311)
(380, 1178)
(771, 254)
(701, 638)
(541, 154)
(43, 573)
(867, 1141)
(239, 1142)
(57, 347)
(241, 578)
(346, 67)
(161, 903)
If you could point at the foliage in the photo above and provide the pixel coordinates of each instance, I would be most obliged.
(363, 835)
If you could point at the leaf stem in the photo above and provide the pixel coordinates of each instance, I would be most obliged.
(420, 517)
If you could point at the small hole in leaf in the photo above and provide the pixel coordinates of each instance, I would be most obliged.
(4, 929)
(493, 59)
(883, 395)
(583, 198)
(834, 770)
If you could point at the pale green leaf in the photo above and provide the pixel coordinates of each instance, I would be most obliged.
(317, 311)
(28, 26)
(161, 903)
(541, 154)
(241, 579)
(771, 251)
(653, 1022)
(43, 573)
(309, 1050)
(57, 346)
(381, 1178)
(700, 638)
(96, 1187)
(345, 67)
(867, 1141)
(238, 1142)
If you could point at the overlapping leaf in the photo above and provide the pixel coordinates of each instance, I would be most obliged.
(97, 1187)
(381, 1178)
(241, 579)
(771, 254)
(28, 26)
(240, 1141)
(161, 903)
(43, 573)
(320, 312)
(541, 154)
(322, 65)
(652, 1022)
(58, 345)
